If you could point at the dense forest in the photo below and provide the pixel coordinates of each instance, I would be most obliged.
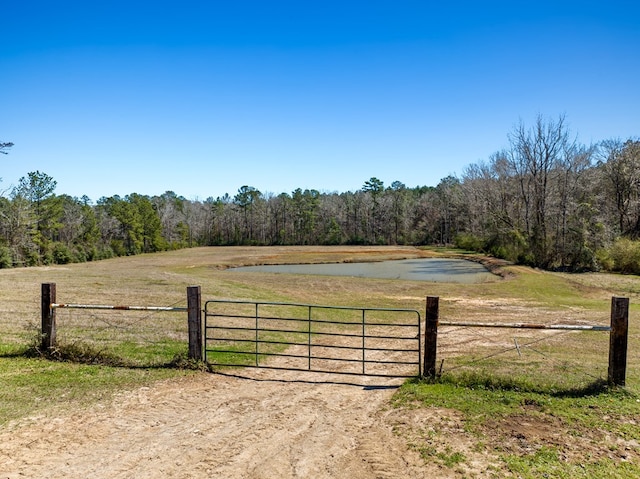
(546, 201)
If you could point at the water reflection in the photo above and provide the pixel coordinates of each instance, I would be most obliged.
(441, 270)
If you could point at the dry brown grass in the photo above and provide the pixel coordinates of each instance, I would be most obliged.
(162, 279)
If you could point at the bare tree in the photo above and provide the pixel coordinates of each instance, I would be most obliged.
(534, 157)
(571, 205)
(620, 167)
(170, 209)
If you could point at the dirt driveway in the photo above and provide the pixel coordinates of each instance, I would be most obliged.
(265, 424)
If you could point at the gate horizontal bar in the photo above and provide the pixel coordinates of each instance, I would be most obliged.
(324, 371)
(318, 358)
(306, 344)
(576, 327)
(318, 321)
(304, 305)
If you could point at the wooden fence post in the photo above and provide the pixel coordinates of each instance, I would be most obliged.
(431, 337)
(194, 313)
(48, 328)
(618, 341)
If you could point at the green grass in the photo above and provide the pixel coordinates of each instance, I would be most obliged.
(158, 353)
(548, 462)
(594, 429)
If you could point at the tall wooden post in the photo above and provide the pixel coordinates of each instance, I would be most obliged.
(48, 329)
(618, 341)
(431, 337)
(194, 318)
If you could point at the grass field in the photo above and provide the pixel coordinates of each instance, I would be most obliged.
(493, 382)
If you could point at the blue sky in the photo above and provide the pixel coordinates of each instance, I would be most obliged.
(201, 98)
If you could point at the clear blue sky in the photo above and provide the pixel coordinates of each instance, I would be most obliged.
(203, 97)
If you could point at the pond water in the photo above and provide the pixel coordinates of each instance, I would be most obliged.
(441, 270)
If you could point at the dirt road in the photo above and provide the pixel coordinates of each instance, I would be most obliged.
(265, 424)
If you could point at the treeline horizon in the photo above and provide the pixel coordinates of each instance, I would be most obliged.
(546, 201)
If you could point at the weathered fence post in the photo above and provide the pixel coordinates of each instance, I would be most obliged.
(48, 329)
(431, 337)
(618, 341)
(194, 313)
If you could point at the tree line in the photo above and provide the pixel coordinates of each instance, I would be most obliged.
(546, 200)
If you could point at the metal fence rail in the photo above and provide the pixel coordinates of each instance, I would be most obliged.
(303, 337)
(565, 327)
(118, 308)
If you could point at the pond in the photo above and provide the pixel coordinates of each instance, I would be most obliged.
(441, 270)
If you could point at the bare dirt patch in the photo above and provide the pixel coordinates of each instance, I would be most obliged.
(211, 425)
(524, 434)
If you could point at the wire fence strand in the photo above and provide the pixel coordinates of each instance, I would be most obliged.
(142, 336)
(571, 357)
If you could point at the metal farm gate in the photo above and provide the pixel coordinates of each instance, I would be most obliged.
(304, 337)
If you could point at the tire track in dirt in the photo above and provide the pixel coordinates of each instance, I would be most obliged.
(265, 424)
